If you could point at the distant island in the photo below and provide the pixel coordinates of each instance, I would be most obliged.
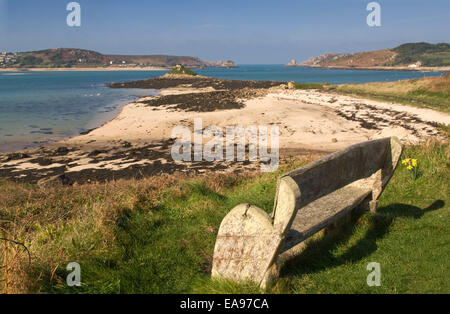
(80, 58)
(411, 56)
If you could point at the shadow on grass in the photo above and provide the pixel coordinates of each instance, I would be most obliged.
(318, 254)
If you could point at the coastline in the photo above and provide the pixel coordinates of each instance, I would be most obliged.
(137, 141)
(84, 69)
(56, 141)
(419, 69)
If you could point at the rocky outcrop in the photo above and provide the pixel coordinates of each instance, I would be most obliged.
(293, 63)
(222, 64)
(410, 56)
(326, 58)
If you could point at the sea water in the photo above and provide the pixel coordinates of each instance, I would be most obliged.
(40, 107)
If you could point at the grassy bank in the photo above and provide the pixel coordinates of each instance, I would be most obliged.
(430, 92)
(157, 235)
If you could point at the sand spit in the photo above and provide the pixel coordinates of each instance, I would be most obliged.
(137, 142)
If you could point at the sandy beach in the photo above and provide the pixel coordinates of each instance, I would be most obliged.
(307, 119)
(137, 142)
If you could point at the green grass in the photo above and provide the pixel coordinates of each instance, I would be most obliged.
(437, 60)
(420, 98)
(432, 93)
(311, 85)
(182, 70)
(428, 54)
(154, 237)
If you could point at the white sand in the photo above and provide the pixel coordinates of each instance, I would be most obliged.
(307, 119)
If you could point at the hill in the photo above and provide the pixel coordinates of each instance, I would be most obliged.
(69, 57)
(427, 54)
(411, 55)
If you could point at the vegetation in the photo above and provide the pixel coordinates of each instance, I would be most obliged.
(180, 69)
(429, 54)
(311, 85)
(157, 235)
(29, 60)
(430, 92)
(70, 57)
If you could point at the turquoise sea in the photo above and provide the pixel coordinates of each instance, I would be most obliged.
(41, 107)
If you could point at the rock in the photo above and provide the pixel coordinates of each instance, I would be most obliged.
(334, 140)
(15, 156)
(61, 151)
(293, 63)
(291, 85)
(126, 144)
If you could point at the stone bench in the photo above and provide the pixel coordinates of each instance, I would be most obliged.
(252, 245)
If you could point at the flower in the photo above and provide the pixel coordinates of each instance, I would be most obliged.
(412, 166)
(406, 161)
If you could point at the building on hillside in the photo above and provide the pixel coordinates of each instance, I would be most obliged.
(418, 64)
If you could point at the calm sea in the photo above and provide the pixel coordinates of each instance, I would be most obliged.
(41, 107)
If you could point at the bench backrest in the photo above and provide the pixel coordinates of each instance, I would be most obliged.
(375, 159)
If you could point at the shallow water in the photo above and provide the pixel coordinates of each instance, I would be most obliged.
(41, 107)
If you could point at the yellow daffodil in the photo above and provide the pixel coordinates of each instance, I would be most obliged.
(411, 165)
(406, 161)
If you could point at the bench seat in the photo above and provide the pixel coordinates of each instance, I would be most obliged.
(324, 211)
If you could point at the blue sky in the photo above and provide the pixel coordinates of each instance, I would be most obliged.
(246, 31)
